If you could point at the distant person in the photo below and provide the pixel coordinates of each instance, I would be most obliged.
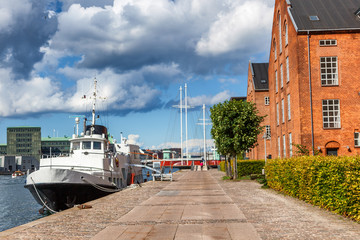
(201, 165)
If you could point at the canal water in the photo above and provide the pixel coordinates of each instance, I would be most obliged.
(17, 205)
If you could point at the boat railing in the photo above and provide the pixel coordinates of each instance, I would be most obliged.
(81, 169)
(55, 156)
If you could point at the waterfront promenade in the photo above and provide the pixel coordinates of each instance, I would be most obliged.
(196, 205)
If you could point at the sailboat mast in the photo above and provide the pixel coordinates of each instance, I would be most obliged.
(181, 127)
(204, 132)
(186, 128)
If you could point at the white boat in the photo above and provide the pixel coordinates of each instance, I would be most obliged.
(94, 168)
(17, 174)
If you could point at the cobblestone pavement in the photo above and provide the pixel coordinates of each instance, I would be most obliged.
(86, 223)
(273, 215)
(276, 216)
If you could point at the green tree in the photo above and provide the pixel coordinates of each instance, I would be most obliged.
(236, 125)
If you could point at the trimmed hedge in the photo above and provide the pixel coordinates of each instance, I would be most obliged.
(222, 166)
(246, 167)
(330, 182)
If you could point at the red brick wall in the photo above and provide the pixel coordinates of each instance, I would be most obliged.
(258, 97)
(347, 51)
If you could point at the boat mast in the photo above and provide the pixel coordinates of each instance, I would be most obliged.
(181, 128)
(186, 129)
(204, 133)
(94, 104)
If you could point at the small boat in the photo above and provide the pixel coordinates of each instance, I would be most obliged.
(95, 167)
(17, 174)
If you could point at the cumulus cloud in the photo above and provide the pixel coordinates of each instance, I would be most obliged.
(240, 28)
(50, 51)
(134, 139)
(24, 29)
(131, 34)
(31, 96)
(209, 100)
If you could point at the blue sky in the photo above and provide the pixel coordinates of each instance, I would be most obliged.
(140, 52)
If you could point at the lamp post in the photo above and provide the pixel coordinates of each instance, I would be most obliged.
(265, 137)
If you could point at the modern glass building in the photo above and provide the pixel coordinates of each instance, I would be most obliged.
(24, 141)
(3, 149)
(58, 146)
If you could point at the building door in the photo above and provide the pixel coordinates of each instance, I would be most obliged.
(332, 151)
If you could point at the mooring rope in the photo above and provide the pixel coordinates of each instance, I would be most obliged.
(100, 187)
(40, 197)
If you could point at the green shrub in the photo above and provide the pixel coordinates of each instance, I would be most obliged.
(222, 166)
(330, 182)
(248, 167)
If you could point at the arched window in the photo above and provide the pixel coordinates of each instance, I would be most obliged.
(286, 34)
(279, 23)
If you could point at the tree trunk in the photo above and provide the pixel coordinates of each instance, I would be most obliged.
(235, 168)
(228, 166)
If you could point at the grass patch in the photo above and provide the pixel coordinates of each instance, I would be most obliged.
(225, 178)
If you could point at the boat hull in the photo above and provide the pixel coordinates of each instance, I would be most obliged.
(61, 196)
(61, 189)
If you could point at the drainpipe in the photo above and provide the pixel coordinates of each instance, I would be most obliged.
(311, 105)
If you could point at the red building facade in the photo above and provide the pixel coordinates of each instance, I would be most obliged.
(314, 77)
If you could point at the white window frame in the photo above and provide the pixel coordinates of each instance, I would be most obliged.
(282, 110)
(279, 147)
(277, 114)
(267, 101)
(281, 76)
(331, 113)
(267, 131)
(357, 139)
(280, 42)
(284, 146)
(276, 82)
(287, 70)
(286, 34)
(327, 42)
(289, 106)
(275, 50)
(290, 145)
(329, 71)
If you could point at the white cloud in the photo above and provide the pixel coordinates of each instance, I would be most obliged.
(209, 100)
(229, 80)
(22, 97)
(135, 48)
(134, 139)
(246, 24)
(131, 34)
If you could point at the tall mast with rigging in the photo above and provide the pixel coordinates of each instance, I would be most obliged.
(94, 104)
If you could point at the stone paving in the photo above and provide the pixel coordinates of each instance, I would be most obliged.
(196, 205)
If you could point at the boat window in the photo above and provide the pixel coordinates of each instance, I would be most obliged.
(76, 146)
(97, 145)
(86, 145)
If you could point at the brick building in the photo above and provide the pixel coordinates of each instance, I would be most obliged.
(314, 77)
(258, 93)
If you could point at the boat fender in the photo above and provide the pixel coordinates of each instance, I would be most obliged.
(117, 162)
(84, 206)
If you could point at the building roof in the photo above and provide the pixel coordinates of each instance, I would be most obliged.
(22, 127)
(55, 139)
(260, 76)
(325, 15)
